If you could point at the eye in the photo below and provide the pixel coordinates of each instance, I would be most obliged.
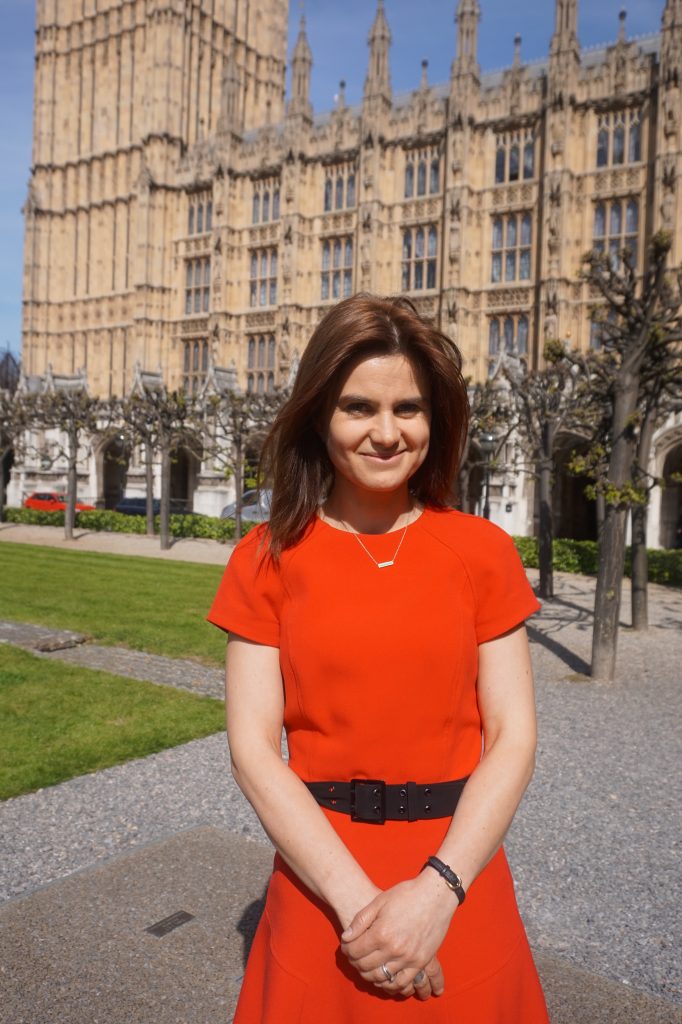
(357, 408)
(408, 409)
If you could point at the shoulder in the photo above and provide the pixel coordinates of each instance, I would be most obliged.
(466, 534)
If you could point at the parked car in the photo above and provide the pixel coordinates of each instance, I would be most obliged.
(138, 507)
(53, 501)
(255, 507)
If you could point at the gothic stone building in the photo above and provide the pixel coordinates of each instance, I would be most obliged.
(184, 214)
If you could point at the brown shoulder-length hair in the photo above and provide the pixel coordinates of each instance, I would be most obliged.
(294, 460)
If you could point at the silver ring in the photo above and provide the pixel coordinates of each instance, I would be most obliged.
(418, 978)
(387, 973)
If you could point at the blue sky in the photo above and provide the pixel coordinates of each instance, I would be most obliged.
(338, 39)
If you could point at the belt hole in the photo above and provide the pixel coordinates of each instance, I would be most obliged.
(333, 802)
(402, 809)
(427, 790)
(332, 788)
(375, 792)
(403, 793)
(427, 807)
(377, 810)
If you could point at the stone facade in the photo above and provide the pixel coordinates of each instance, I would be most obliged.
(182, 215)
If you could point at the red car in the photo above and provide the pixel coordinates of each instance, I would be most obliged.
(51, 501)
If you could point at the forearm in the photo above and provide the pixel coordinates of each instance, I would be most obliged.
(302, 834)
(487, 806)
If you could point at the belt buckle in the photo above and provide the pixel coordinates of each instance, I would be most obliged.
(368, 801)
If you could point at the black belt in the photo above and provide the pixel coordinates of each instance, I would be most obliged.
(373, 801)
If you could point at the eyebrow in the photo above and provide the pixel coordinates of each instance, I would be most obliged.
(410, 400)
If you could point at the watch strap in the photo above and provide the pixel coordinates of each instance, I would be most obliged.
(451, 879)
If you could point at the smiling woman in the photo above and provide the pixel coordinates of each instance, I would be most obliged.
(384, 630)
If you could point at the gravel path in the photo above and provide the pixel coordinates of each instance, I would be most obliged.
(594, 847)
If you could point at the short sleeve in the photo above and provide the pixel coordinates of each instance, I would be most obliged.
(248, 600)
(503, 595)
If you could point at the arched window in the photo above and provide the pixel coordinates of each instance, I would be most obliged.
(348, 254)
(433, 241)
(325, 255)
(497, 233)
(271, 353)
(261, 353)
(255, 210)
(275, 204)
(528, 160)
(337, 253)
(500, 161)
(619, 144)
(616, 219)
(261, 383)
(200, 218)
(632, 217)
(271, 382)
(209, 214)
(602, 148)
(249, 383)
(421, 178)
(599, 221)
(409, 180)
(328, 195)
(508, 334)
(273, 263)
(190, 220)
(494, 337)
(339, 193)
(514, 163)
(407, 245)
(266, 207)
(252, 353)
(434, 184)
(511, 230)
(635, 143)
(522, 336)
(350, 190)
(419, 244)
(526, 229)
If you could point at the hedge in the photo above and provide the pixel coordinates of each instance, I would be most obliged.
(116, 522)
(580, 556)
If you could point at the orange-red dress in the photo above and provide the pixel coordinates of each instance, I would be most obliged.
(379, 670)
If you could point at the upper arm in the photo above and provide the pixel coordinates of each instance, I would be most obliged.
(254, 697)
(505, 691)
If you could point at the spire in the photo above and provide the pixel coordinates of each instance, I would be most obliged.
(467, 17)
(671, 42)
(622, 15)
(378, 80)
(301, 63)
(565, 38)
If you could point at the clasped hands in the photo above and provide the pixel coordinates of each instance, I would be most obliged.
(402, 928)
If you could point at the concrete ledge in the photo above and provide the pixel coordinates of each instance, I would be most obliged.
(78, 951)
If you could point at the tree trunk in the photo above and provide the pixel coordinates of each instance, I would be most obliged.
(2, 488)
(149, 481)
(612, 539)
(546, 544)
(71, 485)
(165, 498)
(640, 569)
(238, 484)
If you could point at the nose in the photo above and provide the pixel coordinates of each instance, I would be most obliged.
(385, 431)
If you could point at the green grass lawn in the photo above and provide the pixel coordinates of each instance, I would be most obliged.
(60, 720)
(142, 603)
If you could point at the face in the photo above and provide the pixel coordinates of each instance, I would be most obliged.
(378, 435)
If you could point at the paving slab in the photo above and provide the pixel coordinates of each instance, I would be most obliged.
(80, 951)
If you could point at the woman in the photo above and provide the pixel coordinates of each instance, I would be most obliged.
(386, 632)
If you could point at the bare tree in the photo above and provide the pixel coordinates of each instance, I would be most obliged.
(14, 420)
(492, 416)
(546, 403)
(640, 329)
(237, 422)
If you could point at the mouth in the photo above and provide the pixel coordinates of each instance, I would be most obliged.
(388, 457)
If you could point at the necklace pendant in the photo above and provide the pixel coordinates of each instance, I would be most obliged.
(384, 565)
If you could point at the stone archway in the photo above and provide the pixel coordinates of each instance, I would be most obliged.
(575, 515)
(184, 469)
(114, 457)
(670, 529)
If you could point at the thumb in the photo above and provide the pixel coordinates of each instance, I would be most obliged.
(360, 923)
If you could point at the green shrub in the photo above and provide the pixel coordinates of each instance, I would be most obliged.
(33, 517)
(115, 522)
(582, 556)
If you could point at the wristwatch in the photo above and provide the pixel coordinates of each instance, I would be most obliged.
(452, 880)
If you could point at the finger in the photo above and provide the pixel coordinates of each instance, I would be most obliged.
(360, 923)
(422, 985)
(434, 973)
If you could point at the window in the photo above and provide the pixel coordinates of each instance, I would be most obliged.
(337, 268)
(511, 247)
(263, 277)
(422, 170)
(197, 285)
(616, 227)
(195, 365)
(598, 334)
(508, 333)
(339, 188)
(265, 202)
(261, 364)
(619, 138)
(199, 213)
(514, 156)
(420, 258)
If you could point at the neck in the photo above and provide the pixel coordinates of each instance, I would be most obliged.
(369, 511)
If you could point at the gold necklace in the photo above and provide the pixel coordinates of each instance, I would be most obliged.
(379, 565)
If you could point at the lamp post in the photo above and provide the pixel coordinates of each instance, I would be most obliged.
(487, 443)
